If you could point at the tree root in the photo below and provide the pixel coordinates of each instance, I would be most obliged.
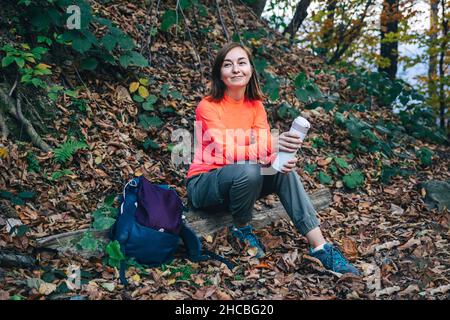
(14, 107)
(3, 127)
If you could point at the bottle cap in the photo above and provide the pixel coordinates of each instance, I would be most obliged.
(300, 124)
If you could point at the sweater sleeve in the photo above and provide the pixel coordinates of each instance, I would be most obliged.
(222, 141)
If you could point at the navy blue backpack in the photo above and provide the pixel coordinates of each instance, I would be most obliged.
(151, 224)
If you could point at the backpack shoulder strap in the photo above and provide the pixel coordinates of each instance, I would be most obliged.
(194, 248)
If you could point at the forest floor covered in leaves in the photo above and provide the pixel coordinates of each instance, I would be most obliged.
(385, 228)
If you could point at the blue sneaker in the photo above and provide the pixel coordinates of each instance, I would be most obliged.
(246, 235)
(333, 260)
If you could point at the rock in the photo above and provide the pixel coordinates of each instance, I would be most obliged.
(437, 194)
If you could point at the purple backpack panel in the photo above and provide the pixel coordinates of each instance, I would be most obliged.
(158, 208)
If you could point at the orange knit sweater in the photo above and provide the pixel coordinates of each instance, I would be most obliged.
(230, 131)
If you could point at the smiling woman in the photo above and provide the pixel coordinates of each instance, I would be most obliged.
(228, 170)
(236, 69)
(233, 72)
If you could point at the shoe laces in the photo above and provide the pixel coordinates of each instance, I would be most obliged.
(337, 256)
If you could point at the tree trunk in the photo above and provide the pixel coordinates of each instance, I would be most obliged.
(257, 6)
(433, 62)
(299, 15)
(389, 48)
(442, 92)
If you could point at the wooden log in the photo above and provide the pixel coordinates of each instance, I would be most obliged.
(12, 259)
(203, 223)
(207, 223)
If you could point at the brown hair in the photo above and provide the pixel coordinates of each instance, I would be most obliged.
(217, 89)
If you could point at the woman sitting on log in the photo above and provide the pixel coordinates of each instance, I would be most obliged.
(233, 148)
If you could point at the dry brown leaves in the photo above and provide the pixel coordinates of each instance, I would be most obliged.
(385, 230)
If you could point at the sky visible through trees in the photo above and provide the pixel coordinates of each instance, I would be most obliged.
(420, 23)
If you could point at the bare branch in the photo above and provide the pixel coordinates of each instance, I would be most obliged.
(352, 34)
(236, 29)
(192, 41)
(224, 28)
(148, 17)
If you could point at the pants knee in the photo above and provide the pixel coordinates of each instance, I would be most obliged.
(251, 173)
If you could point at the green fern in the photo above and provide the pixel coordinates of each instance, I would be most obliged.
(33, 163)
(60, 173)
(65, 151)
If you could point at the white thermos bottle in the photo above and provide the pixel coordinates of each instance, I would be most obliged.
(300, 126)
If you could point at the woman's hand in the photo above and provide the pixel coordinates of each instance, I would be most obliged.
(289, 165)
(289, 142)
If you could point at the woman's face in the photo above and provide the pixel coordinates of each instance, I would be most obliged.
(236, 69)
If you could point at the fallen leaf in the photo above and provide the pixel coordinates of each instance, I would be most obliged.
(441, 289)
(221, 295)
(263, 265)
(110, 286)
(199, 281)
(34, 283)
(98, 160)
(312, 259)
(137, 279)
(387, 245)
(252, 251)
(388, 291)
(173, 295)
(372, 276)
(412, 288)
(423, 192)
(364, 205)
(349, 248)
(43, 66)
(134, 86)
(3, 152)
(408, 244)
(4, 295)
(47, 288)
(396, 209)
(143, 92)
(324, 162)
(390, 191)
(11, 223)
(122, 94)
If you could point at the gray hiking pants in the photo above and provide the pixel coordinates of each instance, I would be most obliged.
(236, 187)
